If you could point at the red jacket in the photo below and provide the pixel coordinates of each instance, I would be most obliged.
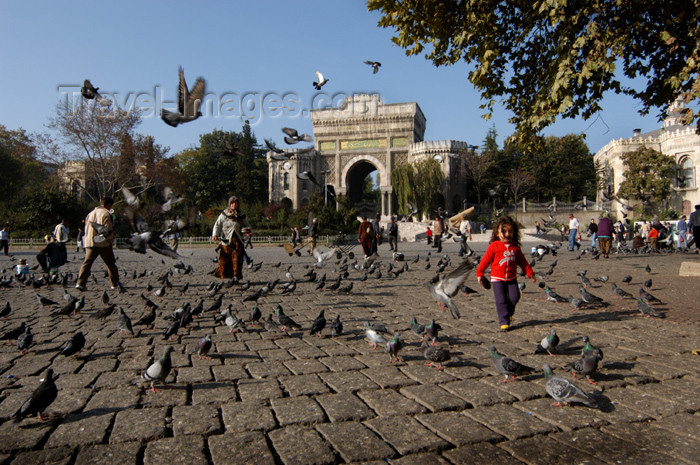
(504, 259)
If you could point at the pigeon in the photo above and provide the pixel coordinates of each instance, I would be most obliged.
(160, 369)
(647, 283)
(171, 330)
(373, 336)
(648, 298)
(321, 258)
(602, 279)
(105, 298)
(621, 293)
(170, 201)
(124, 322)
(647, 269)
(73, 345)
(294, 137)
(647, 310)
(431, 331)
(44, 301)
(271, 326)
(449, 285)
(290, 288)
(148, 318)
(255, 315)
(553, 296)
(233, 322)
(197, 309)
(188, 102)
(319, 323)
(321, 81)
(588, 348)
(66, 309)
(627, 279)
(586, 365)
(374, 64)
(346, 289)
(590, 298)
(5, 311)
(41, 398)
(565, 392)
(507, 366)
(417, 328)
(25, 340)
(129, 197)
(548, 344)
(336, 326)
(89, 92)
(393, 347)
(254, 296)
(435, 355)
(285, 321)
(13, 333)
(105, 311)
(203, 347)
(216, 305)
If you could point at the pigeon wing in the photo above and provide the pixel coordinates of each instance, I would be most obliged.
(291, 132)
(182, 93)
(194, 99)
(451, 283)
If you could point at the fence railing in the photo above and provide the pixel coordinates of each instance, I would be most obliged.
(184, 241)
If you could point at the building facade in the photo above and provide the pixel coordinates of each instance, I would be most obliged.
(351, 141)
(675, 140)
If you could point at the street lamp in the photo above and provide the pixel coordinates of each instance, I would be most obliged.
(325, 186)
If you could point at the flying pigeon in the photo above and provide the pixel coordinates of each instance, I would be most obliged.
(374, 64)
(294, 137)
(170, 201)
(40, 399)
(321, 81)
(449, 285)
(188, 102)
(548, 344)
(564, 391)
(507, 366)
(73, 345)
(159, 370)
(89, 92)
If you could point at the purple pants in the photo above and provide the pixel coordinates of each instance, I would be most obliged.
(507, 296)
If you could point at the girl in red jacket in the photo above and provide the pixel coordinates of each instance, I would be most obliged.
(504, 256)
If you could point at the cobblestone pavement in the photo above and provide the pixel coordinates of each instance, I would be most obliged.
(301, 399)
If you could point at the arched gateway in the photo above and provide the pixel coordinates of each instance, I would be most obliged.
(362, 135)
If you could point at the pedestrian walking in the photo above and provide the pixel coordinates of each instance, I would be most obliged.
(4, 240)
(573, 233)
(313, 235)
(438, 230)
(465, 231)
(593, 231)
(228, 229)
(79, 237)
(605, 232)
(99, 244)
(694, 221)
(682, 229)
(393, 234)
(364, 236)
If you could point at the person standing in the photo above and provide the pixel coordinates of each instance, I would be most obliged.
(653, 237)
(313, 235)
(60, 233)
(294, 237)
(99, 245)
(438, 229)
(605, 231)
(376, 233)
(393, 233)
(364, 236)
(465, 230)
(593, 231)
(538, 228)
(645, 230)
(695, 225)
(573, 232)
(429, 235)
(79, 237)
(4, 240)
(249, 240)
(682, 229)
(227, 229)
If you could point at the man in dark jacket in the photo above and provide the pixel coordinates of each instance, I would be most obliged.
(605, 231)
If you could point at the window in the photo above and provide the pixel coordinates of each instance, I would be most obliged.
(286, 181)
(304, 185)
(686, 173)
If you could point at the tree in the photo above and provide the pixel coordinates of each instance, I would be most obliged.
(20, 171)
(419, 183)
(478, 166)
(647, 175)
(519, 181)
(549, 58)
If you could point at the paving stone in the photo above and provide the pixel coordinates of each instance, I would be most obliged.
(387, 402)
(547, 450)
(686, 400)
(257, 345)
(656, 439)
(425, 374)
(267, 369)
(175, 451)
(565, 418)
(477, 393)
(247, 416)
(115, 379)
(388, 376)
(434, 397)
(344, 407)
(275, 355)
(303, 352)
(99, 366)
(637, 406)
(406, 435)
(12, 403)
(305, 367)
(189, 375)
(235, 448)
(425, 458)
(509, 421)
(196, 419)
(213, 393)
(342, 363)
(480, 453)
(522, 391)
(347, 381)
(609, 449)
(338, 350)
(139, 425)
(26, 435)
(355, 442)
(81, 429)
(59, 456)
(682, 424)
(657, 369)
(288, 442)
(457, 428)
(303, 385)
(229, 372)
(112, 400)
(291, 410)
(165, 397)
(253, 390)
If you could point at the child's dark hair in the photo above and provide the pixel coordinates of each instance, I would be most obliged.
(506, 221)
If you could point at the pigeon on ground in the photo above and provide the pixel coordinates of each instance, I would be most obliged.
(564, 391)
(374, 337)
(105, 311)
(290, 288)
(105, 298)
(435, 355)
(590, 298)
(66, 309)
(89, 92)
(13, 333)
(621, 293)
(45, 301)
(271, 325)
(588, 348)
(647, 310)
(147, 318)
(319, 323)
(255, 315)
(586, 365)
(320, 81)
(254, 296)
(648, 298)
(417, 328)
(507, 366)
(40, 399)
(627, 279)
(25, 340)
(160, 369)
(432, 330)
(336, 326)
(393, 347)
(449, 285)
(216, 305)
(171, 330)
(203, 347)
(124, 322)
(374, 64)
(648, 283)
(346, 289)
(553, 296)
(188, 102)
(233, 322)
(548, 344)
(602, 279)
(5, 312)
(284, 320)
(647, 269)
(73, 345)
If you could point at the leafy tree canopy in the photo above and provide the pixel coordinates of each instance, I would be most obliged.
(647, 174)
(545, 58)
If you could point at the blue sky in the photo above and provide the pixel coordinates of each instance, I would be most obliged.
(251, 49)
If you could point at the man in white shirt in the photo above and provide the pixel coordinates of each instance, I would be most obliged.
(60, 232)
(573, 233)
(465, 230)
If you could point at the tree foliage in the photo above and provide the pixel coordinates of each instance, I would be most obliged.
(20, 172)
(546, 58)
(419, 183)
(647, 175)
